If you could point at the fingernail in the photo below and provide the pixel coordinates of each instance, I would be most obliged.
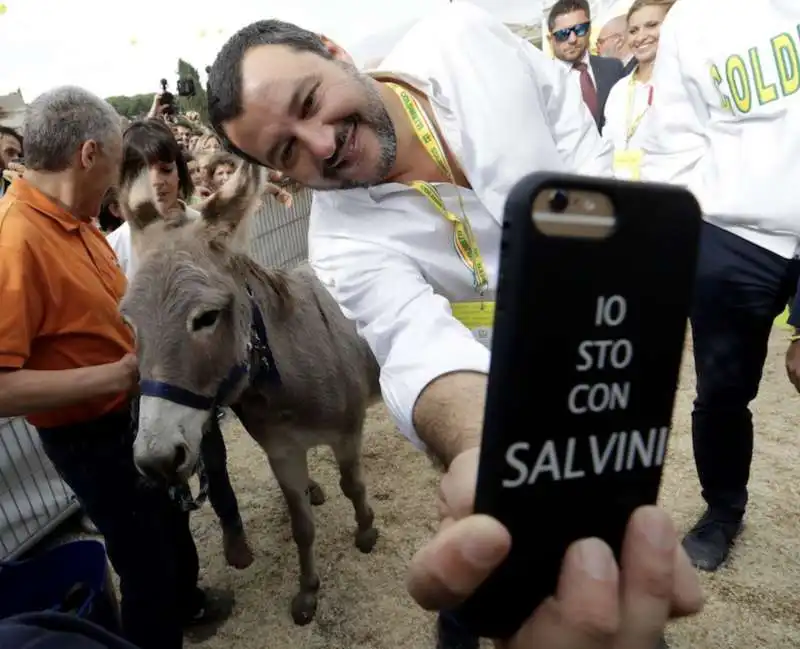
(657, 529)
(482, 548)
(596, 559)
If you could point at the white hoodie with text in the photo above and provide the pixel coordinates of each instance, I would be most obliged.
(725, 119)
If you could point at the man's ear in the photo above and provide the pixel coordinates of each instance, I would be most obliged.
(338, 52)
(88, 154)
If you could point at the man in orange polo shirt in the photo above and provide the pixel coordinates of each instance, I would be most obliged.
(67, 363)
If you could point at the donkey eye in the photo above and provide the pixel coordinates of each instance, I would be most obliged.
(205, 320)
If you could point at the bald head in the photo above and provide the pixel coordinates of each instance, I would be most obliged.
(611, 41)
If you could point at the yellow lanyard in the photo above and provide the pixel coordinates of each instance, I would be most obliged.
(631, 124)
(464, 240)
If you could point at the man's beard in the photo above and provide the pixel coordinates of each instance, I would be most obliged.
(375, 117)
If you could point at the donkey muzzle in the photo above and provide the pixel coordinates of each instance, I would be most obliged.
(168, 442)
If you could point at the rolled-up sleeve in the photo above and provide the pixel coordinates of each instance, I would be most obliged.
(410, 329)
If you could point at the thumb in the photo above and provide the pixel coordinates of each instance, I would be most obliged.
(456, 561)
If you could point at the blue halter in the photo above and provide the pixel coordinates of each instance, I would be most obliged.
(263, 369)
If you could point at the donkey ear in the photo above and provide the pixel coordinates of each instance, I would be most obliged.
(136, 202)
(237, 199)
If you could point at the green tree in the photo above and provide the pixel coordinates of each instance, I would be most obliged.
(132, 107)
(199, 102)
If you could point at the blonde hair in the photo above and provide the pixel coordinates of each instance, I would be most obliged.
(638, 5)
(204, 140)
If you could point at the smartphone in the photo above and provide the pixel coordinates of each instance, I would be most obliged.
(591, 314)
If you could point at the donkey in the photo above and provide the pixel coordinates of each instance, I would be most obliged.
(213, 328)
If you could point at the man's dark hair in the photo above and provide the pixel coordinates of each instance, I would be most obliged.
(7, 130)
(150, 142)
(563, 7)
(224, 89)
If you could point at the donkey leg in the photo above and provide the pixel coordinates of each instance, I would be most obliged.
(291, 472)
(315, 493)
(347, 451)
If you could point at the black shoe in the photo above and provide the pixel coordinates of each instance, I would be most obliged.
(451, 635)
(212, 608)
(709, 542)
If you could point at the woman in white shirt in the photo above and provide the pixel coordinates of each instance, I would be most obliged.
(631, 97)
(149, 144)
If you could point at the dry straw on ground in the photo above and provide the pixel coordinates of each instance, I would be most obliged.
(753, 603)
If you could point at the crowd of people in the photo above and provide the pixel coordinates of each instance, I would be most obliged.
(401, 157)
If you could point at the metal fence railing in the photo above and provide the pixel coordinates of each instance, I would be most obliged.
(33, 498)
(279, 235)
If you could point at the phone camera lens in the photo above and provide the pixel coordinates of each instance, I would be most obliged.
(559, 201)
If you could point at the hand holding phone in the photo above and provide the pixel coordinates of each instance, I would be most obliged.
(586, 612)
(593, 298)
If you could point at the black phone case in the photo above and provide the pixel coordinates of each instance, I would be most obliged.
(572, 474)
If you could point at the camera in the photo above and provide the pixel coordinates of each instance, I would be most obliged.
(186, 88)
(559, 201)
(167, 99)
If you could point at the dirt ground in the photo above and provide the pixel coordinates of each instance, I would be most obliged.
(752, 603)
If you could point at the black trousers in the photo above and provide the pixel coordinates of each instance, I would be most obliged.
(740, 289)
(220, 491)
(147, 535)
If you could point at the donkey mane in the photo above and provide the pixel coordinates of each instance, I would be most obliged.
(244, 266)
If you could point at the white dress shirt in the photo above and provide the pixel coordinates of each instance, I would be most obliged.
(504, 109)
(622, 115)
(575, 74)
(120, 242)
(726, 115)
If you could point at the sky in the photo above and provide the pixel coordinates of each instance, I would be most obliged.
(116, 48)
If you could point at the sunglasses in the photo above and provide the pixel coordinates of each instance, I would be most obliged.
(579, 30)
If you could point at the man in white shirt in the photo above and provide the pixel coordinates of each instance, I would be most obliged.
(726, 123)
(495, 108)
(570, 26)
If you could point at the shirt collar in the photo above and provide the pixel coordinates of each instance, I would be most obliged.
(584, 59)
(26, 193)
(432, 90)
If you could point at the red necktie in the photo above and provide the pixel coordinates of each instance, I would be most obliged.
(588, 90)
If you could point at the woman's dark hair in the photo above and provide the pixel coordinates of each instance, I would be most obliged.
(148, 142)
(107, 219)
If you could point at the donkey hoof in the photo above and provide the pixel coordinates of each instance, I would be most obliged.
(304, 606)
(315, 494)
(236, 548)
(366, 539)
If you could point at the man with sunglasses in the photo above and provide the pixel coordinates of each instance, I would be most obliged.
(570, 26)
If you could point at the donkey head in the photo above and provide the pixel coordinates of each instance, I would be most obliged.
(190, 313)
